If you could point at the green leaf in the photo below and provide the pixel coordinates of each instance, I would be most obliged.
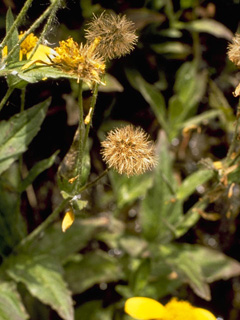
(62, 245)
(218, 101)
(190, 86)
(188, 271)
(140, 277)
(42, 277)
(12, 224)
(150, 94)
(90, 269)
(18, 132)
(210, 265)
(11, 306)
(127, 190)
(67, 171)
(173, 50)
(14, 36)
(36, 170)
(197, 120)
(188, 3)
(158, 213)
(93, 310)
(210, 26)
(194, 180)
(215, 265)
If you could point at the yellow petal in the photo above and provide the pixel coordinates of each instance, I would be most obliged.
(67, 220)
(202, 314)
(42, 53)
(144, 308)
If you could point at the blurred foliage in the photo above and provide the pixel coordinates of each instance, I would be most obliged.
(170, 232)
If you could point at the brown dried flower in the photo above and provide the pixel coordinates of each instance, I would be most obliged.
(129, 151)
(234, 50)
(117, 35)
(80, 60)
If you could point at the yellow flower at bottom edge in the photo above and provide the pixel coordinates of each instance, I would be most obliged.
(142, 308)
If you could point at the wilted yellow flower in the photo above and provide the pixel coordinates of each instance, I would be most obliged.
(234, 50)
(80, 60)
(148, 309)
(117, 35)
(129, 151)
(68, 220)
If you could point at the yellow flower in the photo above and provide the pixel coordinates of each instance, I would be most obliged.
(129, 151)
(68, 220)
(80, 60)
(42, 55)
(148, 309)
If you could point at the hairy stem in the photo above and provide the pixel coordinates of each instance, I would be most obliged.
(80, 139)
(17, 22)
(92, 107)
(48, 11)
(5, 98)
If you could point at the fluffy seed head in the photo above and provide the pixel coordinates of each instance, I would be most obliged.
(129, 151)
(80, 60)
(234, 50)
(117, 35)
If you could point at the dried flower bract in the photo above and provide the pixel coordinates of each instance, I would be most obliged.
(80, 60)
(234, 50)
(129, 151)
(117, 35)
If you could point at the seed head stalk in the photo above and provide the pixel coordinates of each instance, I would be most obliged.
(92, 107)
(80, 138)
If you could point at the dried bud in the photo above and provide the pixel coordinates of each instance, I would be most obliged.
(129, 151)
(234, 50)
(117, 35)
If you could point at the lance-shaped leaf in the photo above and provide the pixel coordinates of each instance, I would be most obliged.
(18, 132)
(11, 306)
(42, 276)
(36, 170)
(90, 269)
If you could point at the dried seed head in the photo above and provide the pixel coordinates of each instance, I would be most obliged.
(234, 50)
(80, 60)
(117, 35)
(129, 151)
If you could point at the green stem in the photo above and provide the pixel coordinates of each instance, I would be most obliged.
(23, 95)
(170, 12)
(5, 98)
(35, 233)
(32, 28)
(92, 107)
(47, 26)
(17, 22)
(80, 138)
(235, 135)
(92, 183)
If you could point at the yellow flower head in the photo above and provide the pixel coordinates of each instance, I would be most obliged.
(129, 151)
(27, 45)
(148, 309)
(117, 35)
(80, 60)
